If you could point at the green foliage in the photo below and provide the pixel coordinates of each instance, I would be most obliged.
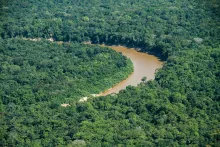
(179, 108)
(162, 26)
(42, 71)
(175, 110)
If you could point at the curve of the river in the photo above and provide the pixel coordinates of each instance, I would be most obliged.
(144, 65)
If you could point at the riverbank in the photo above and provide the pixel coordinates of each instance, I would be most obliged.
(145, 65)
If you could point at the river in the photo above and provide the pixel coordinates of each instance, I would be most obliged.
(144, 65)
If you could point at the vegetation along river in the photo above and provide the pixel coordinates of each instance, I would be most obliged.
(144, 65)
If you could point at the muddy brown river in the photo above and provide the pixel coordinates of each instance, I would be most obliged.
(144, 65)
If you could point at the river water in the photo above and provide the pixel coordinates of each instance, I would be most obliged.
(144, 65)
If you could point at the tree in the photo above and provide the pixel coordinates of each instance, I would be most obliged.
(144, 79)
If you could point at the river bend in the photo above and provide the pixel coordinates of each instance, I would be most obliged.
(144, 65)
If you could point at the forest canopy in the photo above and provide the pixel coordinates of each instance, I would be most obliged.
(179, 108)
(43, 71)
(163, 26)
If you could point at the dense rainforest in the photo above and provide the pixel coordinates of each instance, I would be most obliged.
(179, 108)
(41, 71)
(163, 26)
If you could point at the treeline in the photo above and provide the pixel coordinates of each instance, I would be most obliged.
(179, 108)
(159, 26)
(33, 72)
